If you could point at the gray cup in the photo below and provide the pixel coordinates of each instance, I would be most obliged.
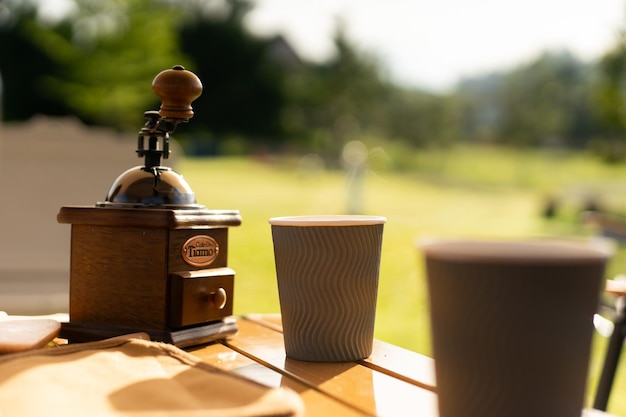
(512, 325)
(327, 269)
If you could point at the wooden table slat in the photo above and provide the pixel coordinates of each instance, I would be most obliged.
(404, 364)
(316, 403)
(352, 383)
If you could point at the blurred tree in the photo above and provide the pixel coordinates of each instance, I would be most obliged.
(98, 58)
(243, 80)
(111, 50)
(610, 102)
(24, 64)
(546, 102)
(94, 63)
(481, 108)
(422, 119)
(339, 100)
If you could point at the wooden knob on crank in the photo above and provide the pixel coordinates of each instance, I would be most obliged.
(176, 88)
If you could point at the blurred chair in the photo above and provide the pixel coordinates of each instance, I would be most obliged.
(616, 288)
(608, 225)
(611, 226)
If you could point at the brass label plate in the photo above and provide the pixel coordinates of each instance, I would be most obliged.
(200, 250)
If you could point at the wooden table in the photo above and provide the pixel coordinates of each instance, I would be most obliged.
(391, 382)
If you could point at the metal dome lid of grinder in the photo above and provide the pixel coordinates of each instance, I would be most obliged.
(153, 185)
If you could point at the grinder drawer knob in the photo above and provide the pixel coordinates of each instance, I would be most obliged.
(219, 298)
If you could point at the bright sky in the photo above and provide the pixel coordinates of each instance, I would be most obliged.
(432, 43)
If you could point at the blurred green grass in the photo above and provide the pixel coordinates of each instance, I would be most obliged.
(466, 191)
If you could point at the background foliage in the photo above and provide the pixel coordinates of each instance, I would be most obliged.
(259, 94)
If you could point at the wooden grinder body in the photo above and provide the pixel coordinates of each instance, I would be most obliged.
(131, 271)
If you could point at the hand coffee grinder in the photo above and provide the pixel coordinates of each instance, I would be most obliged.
(149, 258)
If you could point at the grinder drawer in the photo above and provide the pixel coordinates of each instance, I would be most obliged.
(200, 296)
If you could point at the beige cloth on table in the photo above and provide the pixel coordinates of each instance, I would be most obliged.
(130, 376)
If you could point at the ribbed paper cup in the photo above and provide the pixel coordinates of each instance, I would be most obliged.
(512, 324)
(327, 269)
